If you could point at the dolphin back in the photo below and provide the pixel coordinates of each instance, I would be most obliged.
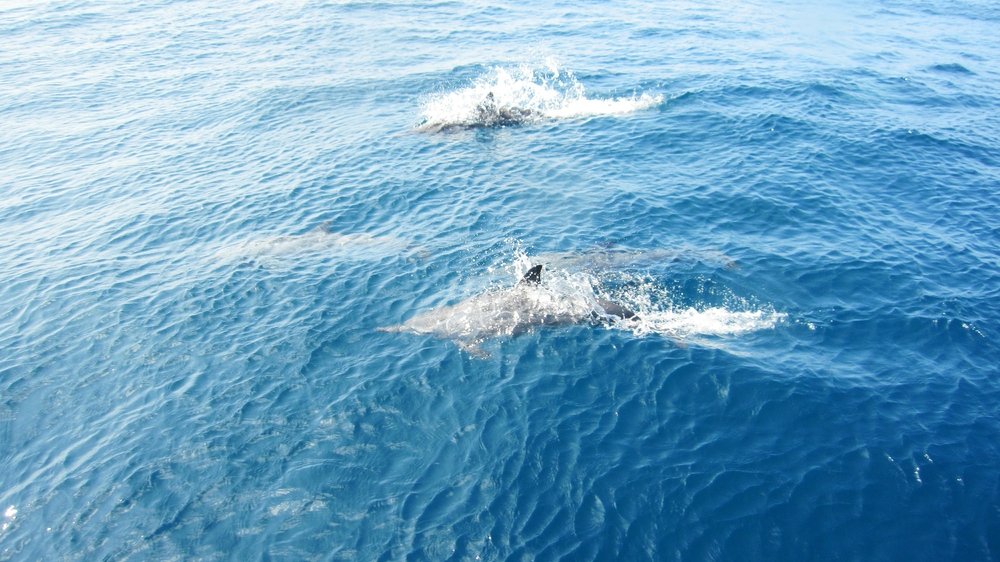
(616, 310)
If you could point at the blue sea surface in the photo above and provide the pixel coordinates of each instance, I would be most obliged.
(209, 211)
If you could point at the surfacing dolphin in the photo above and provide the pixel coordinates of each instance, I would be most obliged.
(510, 312)
(487, 114)
(491, 114)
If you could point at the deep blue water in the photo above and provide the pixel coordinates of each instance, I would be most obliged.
(800, 202)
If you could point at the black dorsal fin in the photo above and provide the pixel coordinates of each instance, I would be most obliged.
(533, 276)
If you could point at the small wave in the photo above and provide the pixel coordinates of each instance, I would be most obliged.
(522, 94)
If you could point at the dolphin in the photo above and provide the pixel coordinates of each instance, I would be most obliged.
(491, 114)
(321, 238)
(486, 114)
(612, 258)
(511, 312)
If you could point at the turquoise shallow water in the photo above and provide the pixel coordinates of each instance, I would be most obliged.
(800, 203)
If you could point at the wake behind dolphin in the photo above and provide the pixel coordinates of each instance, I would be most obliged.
(510, 312)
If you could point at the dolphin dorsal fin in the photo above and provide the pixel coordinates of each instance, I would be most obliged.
(533, 276)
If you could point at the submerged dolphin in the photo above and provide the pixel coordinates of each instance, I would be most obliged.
(321, 238)
(611, 258)
(510, 312)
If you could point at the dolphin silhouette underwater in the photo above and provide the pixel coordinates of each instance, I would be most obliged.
(511, 312)
(320, 239)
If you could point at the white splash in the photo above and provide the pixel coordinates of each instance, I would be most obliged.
(713, 321)
(531, 94)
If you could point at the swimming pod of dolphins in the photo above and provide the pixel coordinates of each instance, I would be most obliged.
(507, 312)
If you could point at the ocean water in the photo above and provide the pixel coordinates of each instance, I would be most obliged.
(209, 210)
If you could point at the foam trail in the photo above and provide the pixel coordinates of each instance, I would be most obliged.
(522, 94)
(714, 321)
